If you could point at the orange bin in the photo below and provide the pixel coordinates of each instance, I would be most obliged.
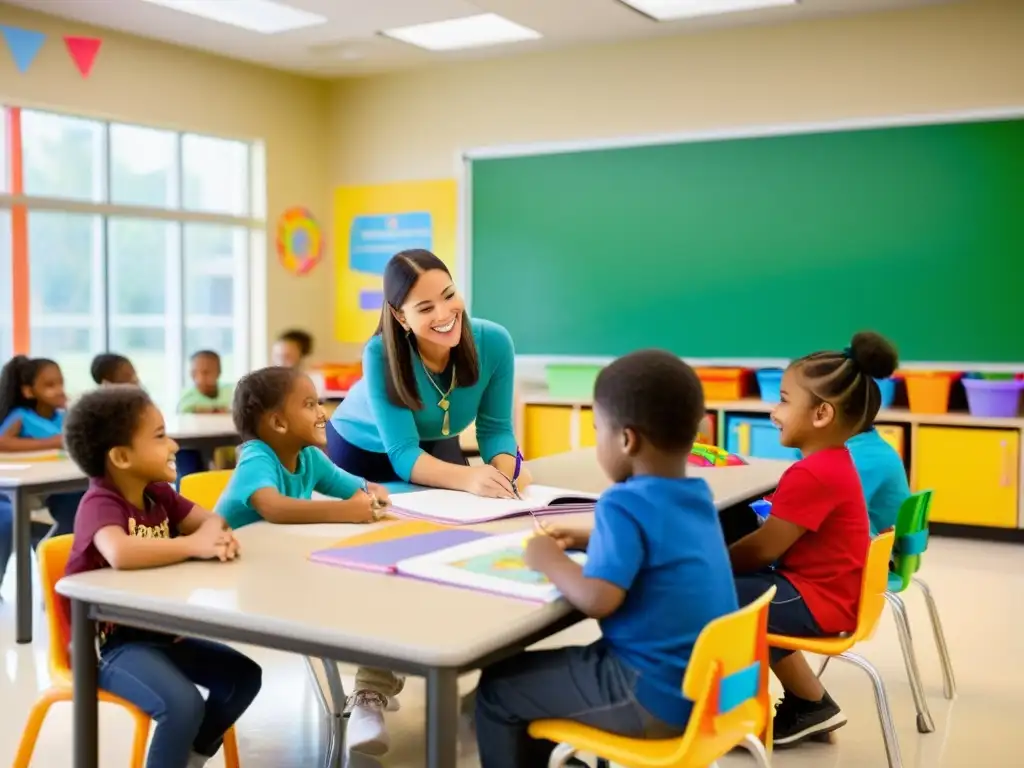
(928, 391)
(723, 383)
(339, 377)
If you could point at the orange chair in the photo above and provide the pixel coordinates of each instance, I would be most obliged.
(727, 681)
(53, 557)
(205, 488)
(872, 602)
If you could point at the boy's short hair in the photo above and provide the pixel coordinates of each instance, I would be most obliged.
(104, 366)
(257, 393)
(206, 353)
(101, 420)
(299, 338)
(654, 393)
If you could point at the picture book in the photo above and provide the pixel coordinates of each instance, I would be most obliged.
(383, 556)
(459, 508)
(490, 564)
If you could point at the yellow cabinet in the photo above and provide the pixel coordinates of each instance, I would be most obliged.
(548, 430)
(893, 435)
(588, 437)
(974, 473)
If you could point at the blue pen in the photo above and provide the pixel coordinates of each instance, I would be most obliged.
(516, 471)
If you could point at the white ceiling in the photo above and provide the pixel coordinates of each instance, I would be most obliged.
(350, 43)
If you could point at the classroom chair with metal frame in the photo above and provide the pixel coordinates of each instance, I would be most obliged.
(872, 602)
(53, 558)
(727, 681)
(205, 489)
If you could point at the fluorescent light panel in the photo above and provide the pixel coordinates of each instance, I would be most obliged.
(264, 16)
(667, 10)
(467, 32)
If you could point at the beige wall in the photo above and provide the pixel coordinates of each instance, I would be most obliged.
(155, 84)
(412, 125)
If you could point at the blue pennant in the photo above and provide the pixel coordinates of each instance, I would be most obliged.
(24, 45)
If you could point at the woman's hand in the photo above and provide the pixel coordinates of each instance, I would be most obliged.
(489, 482)
(566, 538)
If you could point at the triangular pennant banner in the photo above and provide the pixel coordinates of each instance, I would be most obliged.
(83, 50)
(24, 45)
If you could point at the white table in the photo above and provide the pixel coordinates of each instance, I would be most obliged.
(44, 477)
(275, 597)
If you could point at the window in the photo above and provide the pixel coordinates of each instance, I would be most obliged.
(151, 257)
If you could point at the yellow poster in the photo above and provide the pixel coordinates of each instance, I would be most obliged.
(372, 224)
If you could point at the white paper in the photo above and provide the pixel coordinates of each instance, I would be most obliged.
(439, 566)
(463, 508)
(4, 467)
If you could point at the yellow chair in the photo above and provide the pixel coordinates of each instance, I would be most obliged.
(205, 488)
(874, 585)
(53, 558)
(727, 681)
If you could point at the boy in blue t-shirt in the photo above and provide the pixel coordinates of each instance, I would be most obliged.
(657, 572)
(882, 476)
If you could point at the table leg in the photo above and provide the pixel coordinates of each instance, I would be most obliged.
(23, 566)
(442, 718)
(84, 667)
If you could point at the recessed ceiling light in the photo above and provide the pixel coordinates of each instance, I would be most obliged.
(467, 32)
(264, 16)
(666, 10)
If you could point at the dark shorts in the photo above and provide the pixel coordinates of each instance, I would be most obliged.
(788, 614)
(376, 467)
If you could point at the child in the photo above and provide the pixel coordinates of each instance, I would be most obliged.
(657, 572)
(817, 532)
(32, 402)
(130, 518)
(882, 476)
(110, 368)
(292, 348)
(206, 395)
(280, 464)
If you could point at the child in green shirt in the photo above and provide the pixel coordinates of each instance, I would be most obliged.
(207, 394)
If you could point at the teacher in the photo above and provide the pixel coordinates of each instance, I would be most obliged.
(428, 373)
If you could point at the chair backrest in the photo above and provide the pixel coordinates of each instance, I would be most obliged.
(874, 584)
(727, 681)
(205, 488)
(911, 535)
(53, 559)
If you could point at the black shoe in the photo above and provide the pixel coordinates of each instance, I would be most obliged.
(797, 719)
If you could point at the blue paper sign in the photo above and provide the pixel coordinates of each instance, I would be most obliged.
(373, 240)
(24, 45)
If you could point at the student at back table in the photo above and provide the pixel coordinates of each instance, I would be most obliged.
(882, 476)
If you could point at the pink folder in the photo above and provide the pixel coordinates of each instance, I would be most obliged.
(383, 556)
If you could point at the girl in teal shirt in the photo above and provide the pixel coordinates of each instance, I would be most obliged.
(428, 373)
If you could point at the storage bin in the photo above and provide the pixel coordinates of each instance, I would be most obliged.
(339, 377)
(928, 391)
(723, 383)
(571, 381)
(769, 381)
(887, 388)
(993, 397)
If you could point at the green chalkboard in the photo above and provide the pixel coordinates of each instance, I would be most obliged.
(760, 247)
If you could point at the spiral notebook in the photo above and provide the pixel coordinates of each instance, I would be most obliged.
(459, 508)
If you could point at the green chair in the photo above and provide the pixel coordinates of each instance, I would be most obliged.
(911, 543)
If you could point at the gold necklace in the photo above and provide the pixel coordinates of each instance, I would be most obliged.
(444, 403)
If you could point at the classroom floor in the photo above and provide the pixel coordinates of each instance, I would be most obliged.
(973, 583)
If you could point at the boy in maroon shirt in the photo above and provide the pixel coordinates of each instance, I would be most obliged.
(132, 518)
(817, 534)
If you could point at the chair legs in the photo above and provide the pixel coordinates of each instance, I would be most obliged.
(231, 759)
(139, 739)
(756, 749)
(560, 755)
(30, 735)
(824, 663)
(948, 681)
(899, 610)
(892, 744)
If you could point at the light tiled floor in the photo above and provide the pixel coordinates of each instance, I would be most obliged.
(977, 586)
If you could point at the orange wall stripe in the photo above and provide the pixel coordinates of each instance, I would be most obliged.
(19, 238)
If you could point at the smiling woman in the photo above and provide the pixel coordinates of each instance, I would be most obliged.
(429, 372)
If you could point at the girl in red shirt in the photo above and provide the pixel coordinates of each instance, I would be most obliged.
(817, 534)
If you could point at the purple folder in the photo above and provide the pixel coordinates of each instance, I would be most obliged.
(384, 556)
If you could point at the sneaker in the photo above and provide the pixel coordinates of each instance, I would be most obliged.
(366, 732)
(797, 719)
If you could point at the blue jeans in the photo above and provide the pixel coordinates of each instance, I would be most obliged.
(585, 684)
(788, 614)
(62, 506)
(159, 675)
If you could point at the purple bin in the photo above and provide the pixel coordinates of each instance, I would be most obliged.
(993, 397)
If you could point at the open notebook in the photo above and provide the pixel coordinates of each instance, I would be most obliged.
(459, 508)
(491, 564)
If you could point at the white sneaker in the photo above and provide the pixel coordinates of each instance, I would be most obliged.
(366, 732)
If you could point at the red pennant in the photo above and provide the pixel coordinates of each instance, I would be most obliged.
(83, 51)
